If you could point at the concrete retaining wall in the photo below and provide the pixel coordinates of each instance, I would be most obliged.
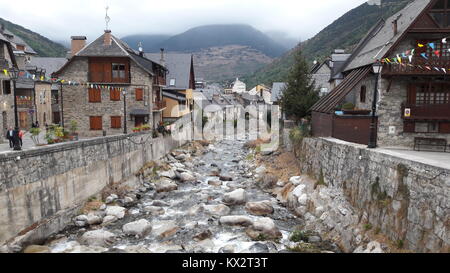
(44, 188)
(407, 200)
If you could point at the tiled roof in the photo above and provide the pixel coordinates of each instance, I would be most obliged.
(15, 40)
(50, 64)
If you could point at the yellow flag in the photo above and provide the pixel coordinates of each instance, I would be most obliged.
(420, 45)
(5, 71)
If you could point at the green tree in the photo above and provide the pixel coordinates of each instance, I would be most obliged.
(300, 93)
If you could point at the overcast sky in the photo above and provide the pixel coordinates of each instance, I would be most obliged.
(60, 19)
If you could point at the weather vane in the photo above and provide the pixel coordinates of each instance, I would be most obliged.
(107, 19)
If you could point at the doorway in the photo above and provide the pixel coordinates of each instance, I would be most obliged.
(23, 120)
(139, 121)
(4, 122)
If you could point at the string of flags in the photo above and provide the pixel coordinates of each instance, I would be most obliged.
(405, 59)
(33, 77)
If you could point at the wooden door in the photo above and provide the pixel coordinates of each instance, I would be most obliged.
(23, 120)
(5, 122)
(138, 121)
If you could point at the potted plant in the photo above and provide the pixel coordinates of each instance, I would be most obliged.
(35, 135)
(73, 130)
(145, 127)
(136, 129)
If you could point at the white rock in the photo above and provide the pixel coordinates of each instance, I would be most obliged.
(303, 199)
(164, 229)
(296, 180)
(236, 220)
(118, 212)
(103, 207)
(109, 219)
(236, 197)
(140, 228)
(94, 219)
(259, 208)
(99, 237)
(264, 226)
(186, 177)
(299, 190)
(219, 210)
(154, 210)
(165, 185)
(260, 170)
(81, 218)
(169, 174)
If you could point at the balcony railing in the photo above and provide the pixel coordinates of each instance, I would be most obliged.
(106, 77)
(419, 66)
(4, 64)
(159, 105)
(427, 111)
(24, 103)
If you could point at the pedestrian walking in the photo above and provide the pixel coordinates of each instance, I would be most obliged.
(37, 124)
(9, 136)
(21, 137)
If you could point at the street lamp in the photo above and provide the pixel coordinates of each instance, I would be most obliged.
(124, 93)
(376, 69)
(14, 75)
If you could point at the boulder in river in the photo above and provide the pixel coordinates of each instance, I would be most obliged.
(186, 177)
(37, 249)
(98, 237)
(203, 235)
(118, 212)
(155, 211)
(264, 229)
(168, 174)
(164, 229)
(236, 197)
(259, 208)
(165, 185)
(219, 210)
(140, 228)
(236, 220)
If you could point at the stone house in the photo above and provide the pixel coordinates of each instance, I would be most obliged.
(105, 67)
(177, 95)
(413, 98)
(7, 61)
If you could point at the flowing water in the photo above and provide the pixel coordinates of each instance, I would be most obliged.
(184, 214)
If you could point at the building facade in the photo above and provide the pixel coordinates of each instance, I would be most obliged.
(113, 73)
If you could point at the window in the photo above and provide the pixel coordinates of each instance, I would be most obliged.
(96, 123)
(115, 94)
(432, 94)
(95, 95)
(427, 127)
(172, 82)
(116, 122)
(118, 71)
(6, 87)
(362, 94)
(139, 94)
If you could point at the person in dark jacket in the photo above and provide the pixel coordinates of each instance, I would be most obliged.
(9, 136)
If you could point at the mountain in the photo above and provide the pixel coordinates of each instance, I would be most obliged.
(43, 46)
(343, 33)
(150, 43)
(221, 52)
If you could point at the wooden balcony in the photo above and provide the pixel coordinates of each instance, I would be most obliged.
(159, 105)
(427, 111)
(106, 77)
(158, 80)
(24, 103)
(415, 70)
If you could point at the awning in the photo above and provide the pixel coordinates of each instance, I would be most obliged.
(140, 112)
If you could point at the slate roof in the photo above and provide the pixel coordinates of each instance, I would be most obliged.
(50, 64)
(277, 89)
(179, 66)
(328, 103)
(174, 95)
(381, 37)
(16, 40)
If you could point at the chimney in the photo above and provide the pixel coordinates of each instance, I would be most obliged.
(141, 50)
(162, 61)
(2, 28)
(107, 41)
(395, 26)
(78, 42)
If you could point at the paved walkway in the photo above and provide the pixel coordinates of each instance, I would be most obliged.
(438, 159)
(28, 143)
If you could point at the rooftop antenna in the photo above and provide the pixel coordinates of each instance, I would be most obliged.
(107, 18)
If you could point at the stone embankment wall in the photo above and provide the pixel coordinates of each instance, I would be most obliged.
(406, 200)
(41, 189)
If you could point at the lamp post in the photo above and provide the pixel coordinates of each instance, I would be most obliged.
(14, 75)
(376, 69)
(124, 93)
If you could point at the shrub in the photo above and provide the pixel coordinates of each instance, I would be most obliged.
(348, 106)
(73, 126)
(367, 227)
(298, 236)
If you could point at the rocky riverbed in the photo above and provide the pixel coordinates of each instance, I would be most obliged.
(203, 198)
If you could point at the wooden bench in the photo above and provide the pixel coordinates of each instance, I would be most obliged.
(430, 142)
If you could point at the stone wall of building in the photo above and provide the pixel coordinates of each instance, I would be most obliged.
(43, 103)
(77, 106)
(407, 201)
(41, 189)
(322, 78)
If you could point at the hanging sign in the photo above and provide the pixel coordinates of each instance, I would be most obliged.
(407, 112)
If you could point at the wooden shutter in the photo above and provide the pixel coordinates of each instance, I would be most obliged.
(115, 94)
(95, 95)
(411, 94)
(96, 123)
(139, 94)
(116, 122)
